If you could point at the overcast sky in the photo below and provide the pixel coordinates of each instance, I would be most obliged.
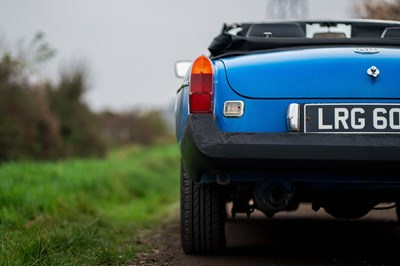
(130, 46)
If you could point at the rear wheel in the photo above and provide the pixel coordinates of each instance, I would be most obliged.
(202, 217)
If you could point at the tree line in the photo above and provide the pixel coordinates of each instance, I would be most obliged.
(43, 119)
(378, 9)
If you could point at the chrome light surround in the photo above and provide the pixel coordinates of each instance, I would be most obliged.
(233, 108)
(293, 117)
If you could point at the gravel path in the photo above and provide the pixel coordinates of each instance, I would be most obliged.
(303, 238)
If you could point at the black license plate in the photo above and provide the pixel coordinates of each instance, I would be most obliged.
(351, 118)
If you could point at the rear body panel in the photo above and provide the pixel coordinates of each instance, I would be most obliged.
(259, 142)
(315, 73)
(267, 86)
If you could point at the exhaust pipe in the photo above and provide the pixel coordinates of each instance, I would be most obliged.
(271, 197)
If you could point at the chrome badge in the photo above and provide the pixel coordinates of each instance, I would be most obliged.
(373, 72)
(366, 50)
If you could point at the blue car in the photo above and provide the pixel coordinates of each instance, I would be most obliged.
(288, 112)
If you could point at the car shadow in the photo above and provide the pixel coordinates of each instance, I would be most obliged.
(313, 241)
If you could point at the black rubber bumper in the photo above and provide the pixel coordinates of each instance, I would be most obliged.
(205, 147)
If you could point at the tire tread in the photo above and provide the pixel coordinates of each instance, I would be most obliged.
(202, 217)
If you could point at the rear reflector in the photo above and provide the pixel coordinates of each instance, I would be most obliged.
(201, 86)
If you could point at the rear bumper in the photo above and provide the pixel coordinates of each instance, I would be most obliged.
(205, 148)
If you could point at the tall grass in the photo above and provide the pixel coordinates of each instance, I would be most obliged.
(84, 212)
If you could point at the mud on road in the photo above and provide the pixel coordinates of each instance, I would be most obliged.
(303, 238)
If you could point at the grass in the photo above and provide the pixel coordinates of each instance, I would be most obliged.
(84, 212)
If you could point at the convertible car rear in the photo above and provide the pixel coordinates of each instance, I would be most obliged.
(286, 112)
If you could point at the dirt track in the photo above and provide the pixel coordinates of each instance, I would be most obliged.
(302, 238)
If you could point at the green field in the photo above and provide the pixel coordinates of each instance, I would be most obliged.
(85, 212)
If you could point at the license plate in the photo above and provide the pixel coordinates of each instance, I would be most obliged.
(352, 118)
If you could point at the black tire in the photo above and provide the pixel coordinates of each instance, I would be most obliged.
(398, 211)
(202, 217)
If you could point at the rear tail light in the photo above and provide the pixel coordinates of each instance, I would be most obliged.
(201, 86)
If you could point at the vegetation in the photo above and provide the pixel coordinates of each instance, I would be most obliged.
(78, 127)
(47, 120)
(84, 212)
(42, 119)
(378, 9)
(75, 211)
(139, 127)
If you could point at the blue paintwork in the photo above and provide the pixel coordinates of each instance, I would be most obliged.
(315, 73)
(268, 82)
(181, 109)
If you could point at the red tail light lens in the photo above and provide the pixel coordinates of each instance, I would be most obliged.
(201, 86)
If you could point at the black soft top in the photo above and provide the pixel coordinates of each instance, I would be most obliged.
(253, 37)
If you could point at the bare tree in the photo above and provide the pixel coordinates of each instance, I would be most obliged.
(378, 9)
